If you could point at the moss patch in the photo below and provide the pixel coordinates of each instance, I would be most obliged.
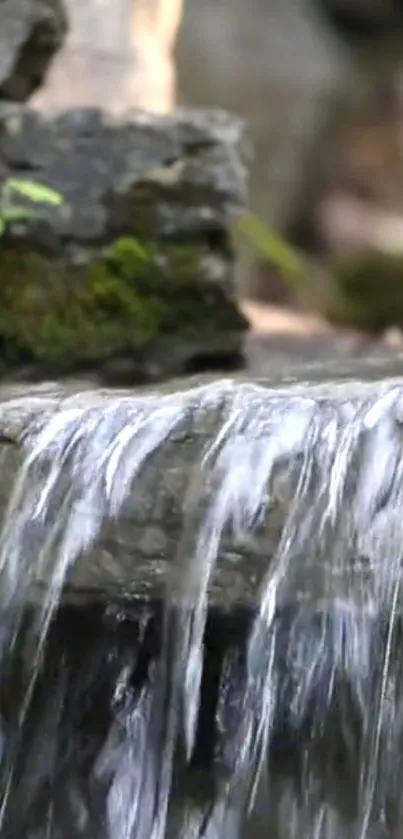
(368, 291)
(130, 296)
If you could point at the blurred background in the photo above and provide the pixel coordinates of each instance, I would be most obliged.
(320, 85)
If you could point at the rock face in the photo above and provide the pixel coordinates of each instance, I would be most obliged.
(31, 31)
(132, 274)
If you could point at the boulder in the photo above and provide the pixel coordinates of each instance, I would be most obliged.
(131, 274)
(31, 32)
(367, 291)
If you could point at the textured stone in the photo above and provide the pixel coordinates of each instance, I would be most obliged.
(132, 274)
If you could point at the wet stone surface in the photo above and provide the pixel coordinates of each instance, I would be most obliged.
(196, 587)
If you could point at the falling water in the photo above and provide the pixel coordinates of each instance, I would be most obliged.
(203, 711)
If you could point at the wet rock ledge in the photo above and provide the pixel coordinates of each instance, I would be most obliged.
(295, 416)
(132, 273)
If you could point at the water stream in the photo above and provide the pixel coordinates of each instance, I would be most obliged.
(142, 718)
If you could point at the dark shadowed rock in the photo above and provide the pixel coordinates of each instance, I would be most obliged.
(132, 274)
(353, 19)
(31, 32)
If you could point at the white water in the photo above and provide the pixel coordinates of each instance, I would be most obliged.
(321, 655)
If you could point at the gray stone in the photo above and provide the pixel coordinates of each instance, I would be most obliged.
(31, 32)
(167, 186)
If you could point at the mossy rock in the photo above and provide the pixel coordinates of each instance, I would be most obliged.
(368, 291)
(131, 295)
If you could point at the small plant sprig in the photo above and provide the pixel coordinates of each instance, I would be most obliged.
(271, 248)
(10, 208)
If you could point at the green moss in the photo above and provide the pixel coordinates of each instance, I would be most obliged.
(131, 295)
(142, 211)
(368, 291)
(185, 263)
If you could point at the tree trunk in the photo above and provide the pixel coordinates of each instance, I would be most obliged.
(117, 55)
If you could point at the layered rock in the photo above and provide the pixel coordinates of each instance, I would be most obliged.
(31, 32)
(132, 273)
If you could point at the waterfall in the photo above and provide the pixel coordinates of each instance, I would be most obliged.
(130, 716)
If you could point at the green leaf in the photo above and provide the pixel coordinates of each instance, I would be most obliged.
(2, 226)
(15, 213)
(34, 191)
